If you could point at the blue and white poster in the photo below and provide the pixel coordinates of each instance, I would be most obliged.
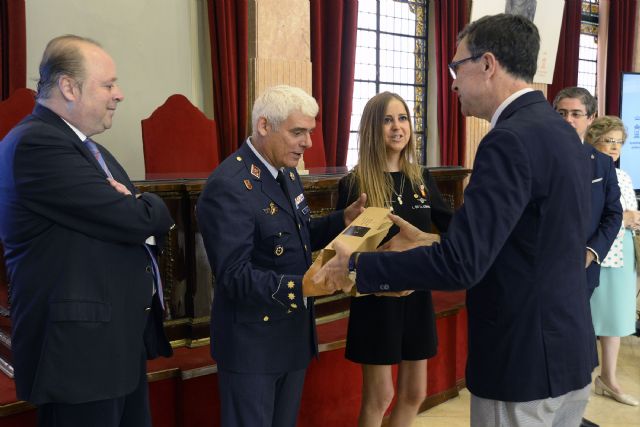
(630, 115)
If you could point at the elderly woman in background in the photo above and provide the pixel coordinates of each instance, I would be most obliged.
(613, 304)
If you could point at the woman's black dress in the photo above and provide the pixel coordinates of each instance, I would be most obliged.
(387, 330)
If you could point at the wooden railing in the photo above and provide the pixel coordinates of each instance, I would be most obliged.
(185, 271)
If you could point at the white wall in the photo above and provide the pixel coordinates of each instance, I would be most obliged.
(157, 46)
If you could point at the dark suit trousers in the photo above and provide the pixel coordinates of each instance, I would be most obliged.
(260, 400)
(131, 410)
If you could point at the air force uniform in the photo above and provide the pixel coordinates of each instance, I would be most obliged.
(259, 237)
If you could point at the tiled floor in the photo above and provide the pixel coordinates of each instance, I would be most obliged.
(601, 410)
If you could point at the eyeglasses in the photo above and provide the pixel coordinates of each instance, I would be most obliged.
(611, 141)
(574, 114)
(453, 67)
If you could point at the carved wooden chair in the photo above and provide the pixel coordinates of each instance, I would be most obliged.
(15, 108)
(179, 140)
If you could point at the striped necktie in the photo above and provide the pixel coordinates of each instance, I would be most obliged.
(156, 270)
(96, 153)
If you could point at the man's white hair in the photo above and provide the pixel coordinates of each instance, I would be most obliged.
(278, 102)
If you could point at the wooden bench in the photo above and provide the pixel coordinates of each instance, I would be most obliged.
(183, 389)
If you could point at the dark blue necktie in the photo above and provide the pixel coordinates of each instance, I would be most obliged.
(156, 270)
(283, 183)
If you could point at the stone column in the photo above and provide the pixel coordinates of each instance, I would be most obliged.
(279, 47)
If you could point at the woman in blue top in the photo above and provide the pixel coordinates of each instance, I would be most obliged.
(613, 303)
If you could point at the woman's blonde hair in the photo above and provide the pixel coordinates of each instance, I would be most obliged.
(372, 156)
(603, 125)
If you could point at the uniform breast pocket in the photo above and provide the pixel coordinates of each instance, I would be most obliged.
(275, 239)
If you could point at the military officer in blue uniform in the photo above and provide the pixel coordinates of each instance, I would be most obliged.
(259, 235)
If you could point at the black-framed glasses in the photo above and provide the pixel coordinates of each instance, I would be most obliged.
(453, 67)
(611, 141)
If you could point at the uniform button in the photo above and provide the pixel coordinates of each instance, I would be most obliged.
(305, 247)
(299, 226)
(147, 309)
(384, 287)
(148, 269)
(265, 318)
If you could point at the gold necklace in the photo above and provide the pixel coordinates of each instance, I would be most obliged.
(399, 195)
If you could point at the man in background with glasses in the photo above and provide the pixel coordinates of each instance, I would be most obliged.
(578, 108)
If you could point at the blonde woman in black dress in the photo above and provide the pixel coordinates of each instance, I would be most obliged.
(384, 330)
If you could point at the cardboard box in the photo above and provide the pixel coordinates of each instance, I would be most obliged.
(364, 234)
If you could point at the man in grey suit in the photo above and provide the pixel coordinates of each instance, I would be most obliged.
(517, 244)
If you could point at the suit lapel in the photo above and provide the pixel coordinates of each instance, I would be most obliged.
(119, 174)
(272, 190)
(52, 118)
(267, 183)
(92, 159)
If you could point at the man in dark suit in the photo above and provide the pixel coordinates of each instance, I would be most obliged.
(258, 233)
(517, 243)
(578, 107)
(83, 309)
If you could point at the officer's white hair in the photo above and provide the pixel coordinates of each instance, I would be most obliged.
(278, 102)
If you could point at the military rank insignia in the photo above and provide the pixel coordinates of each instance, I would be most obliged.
(255, 171)
(248, 184)
(423, 191)
(292, 176)
(279, 250)
(272, 209)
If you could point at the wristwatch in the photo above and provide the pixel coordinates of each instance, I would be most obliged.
(353, 265)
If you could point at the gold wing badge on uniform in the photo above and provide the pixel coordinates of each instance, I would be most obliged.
(272, 209)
